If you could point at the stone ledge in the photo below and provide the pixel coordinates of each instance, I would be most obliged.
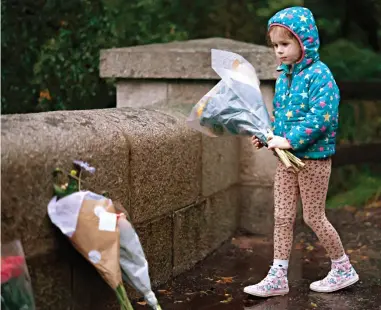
(181, 60)
(33, 145)
(147, 159)
(165, 161)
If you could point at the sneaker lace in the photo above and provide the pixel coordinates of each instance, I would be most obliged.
(267, 279)
(331, 274)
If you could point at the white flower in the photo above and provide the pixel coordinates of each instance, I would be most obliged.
(84, 165)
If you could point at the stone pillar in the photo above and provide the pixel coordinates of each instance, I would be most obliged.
(179, 74)
(257, 176)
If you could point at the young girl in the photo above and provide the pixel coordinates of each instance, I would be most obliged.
(305, 121)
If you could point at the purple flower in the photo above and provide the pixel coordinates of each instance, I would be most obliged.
(84, 165)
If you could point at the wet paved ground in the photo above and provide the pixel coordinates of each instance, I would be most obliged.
(217, 282)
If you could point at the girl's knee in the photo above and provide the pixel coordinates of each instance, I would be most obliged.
(314, 220)
(282, 221)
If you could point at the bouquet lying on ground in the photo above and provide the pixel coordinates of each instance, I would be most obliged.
(102, 234)
(235, 105)
(16, 288)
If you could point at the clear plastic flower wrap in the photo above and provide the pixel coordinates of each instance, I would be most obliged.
(100, 230)
(16, 287)
(235, 105)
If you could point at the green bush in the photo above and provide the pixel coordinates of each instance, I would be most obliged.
(351, 62)
(50, 49)
(51, 55)
(66, 70)
(360, 121)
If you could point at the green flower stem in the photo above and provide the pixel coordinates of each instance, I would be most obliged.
(15, 294)
(79, 180)
(295, 159)
(125, 303)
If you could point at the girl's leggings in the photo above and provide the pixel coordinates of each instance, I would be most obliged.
(311, 185)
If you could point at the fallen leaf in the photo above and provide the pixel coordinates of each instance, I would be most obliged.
(142, 303)
(178, 301)
(210, 279)
(227, 300)
(313, 305)
(375, 204)
(350, 209)
(165, 292)
(364, 257)
(298, 246)
(310, 247)
(225, 280)
(45, 94)
(349, 251)
(360, 213)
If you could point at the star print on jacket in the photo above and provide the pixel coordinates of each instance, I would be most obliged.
(307, 99)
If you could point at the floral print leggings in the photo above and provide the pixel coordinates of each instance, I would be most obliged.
(311, 185)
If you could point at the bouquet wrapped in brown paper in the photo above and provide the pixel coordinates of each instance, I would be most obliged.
(90, 221)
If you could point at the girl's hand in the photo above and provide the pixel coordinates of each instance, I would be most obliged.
(279, 142)
(256, 142)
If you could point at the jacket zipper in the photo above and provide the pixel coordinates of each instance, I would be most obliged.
(289, 81)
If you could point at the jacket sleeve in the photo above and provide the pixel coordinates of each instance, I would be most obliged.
(273, 124)
(323, 104)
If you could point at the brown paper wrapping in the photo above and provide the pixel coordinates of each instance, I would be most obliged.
(88, 237)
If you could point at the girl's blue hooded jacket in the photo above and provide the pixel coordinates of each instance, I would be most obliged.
(307, 99)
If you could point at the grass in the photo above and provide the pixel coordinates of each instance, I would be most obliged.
(354, 186)
(360, 121)
(357, 185)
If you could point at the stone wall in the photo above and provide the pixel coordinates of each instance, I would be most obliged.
(177, 75)
(186, 193)
(181, 190)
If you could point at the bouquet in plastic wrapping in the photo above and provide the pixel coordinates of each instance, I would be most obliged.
(235, 105)
(16, 288)
(100, 231)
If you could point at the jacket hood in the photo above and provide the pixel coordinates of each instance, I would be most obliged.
(301, 23)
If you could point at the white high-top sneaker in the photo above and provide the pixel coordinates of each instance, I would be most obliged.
(342, 275)
(274, 284)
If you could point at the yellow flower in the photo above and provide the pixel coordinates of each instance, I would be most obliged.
(73, 172)
(235, 64)
(201, 108)
(64, 186)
